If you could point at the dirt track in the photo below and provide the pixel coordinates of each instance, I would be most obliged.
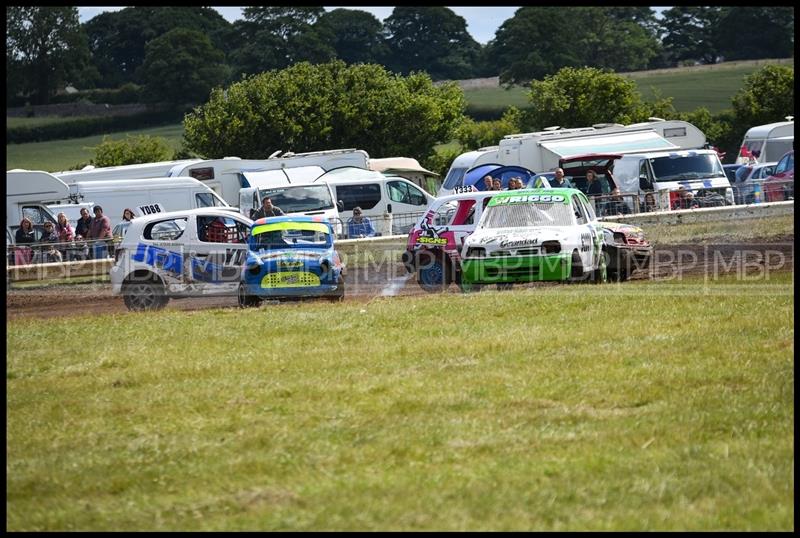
(366, 283)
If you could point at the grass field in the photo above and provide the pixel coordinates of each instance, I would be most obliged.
(60, 155)
(41, 120)
(708, 86)
(650, 405)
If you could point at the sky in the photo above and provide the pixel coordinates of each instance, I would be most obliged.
(482, 22)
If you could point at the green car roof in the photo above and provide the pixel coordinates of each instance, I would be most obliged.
(528, 196)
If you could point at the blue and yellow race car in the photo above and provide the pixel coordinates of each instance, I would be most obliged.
(291, 257)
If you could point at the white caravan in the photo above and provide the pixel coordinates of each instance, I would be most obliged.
(540, 151)
(227, 176)
(767, 143)
(128, 171)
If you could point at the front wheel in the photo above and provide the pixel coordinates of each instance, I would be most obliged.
(246, 300)
(144, 296)
(432, 274)
(600, 275)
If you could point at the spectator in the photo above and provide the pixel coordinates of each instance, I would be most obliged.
(47, 252)
(560, 181)
(127, 215)
(83, 224)
(686, 200)
(616, 204)
(515, 183)
(487, 183)
(267, 210)
(650, 203)
(65, 234)
(593, 186)
(359, 225)
(23, 237)
(497, 185)
(100, 232)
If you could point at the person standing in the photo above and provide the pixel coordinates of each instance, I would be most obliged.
(487, 183)
(267, 210)
(25, 236)
(100, 233)
(559, 181)
(83, 224)
(65, 233)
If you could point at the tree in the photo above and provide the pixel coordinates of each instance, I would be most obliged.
(477, 134)
(526, 46)
(582, 97)
(688, 33)
(182, 66)
(132, 150)
(45, 48)
(117, 39)
(277, 37)
(356, 36)
(745, 33)
(316, 107)
(430, 39)
(767, 96)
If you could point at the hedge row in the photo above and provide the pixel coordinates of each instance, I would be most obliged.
(89, 126)
(124, 95)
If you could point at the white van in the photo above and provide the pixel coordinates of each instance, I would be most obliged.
(293, 199)
(378, 196)
(767, 143)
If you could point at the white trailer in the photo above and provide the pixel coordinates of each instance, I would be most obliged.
(227, 176)
(128, 171)
(540, 151)
(767, 143)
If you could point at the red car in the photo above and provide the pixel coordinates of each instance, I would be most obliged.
(780, 185)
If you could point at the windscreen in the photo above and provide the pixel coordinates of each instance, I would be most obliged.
(291, 234)
(686, 167)
(300, 198)
(454, 177)
(527, 214)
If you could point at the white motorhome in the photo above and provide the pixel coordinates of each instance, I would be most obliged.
(128, 171)
(408, 168)
(26, 194)
(540, 151)
(227, 176)
(378, 195)
(767, 143)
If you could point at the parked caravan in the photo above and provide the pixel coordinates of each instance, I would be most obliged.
(767, 143)
(378, 196)
(227, 176)
(128, 171)
(540, 151)
(408, 168)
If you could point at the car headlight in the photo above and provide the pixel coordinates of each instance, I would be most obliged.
(476, 252)
(551, 247)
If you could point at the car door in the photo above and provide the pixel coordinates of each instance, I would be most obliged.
(592, 230)
(217, 253)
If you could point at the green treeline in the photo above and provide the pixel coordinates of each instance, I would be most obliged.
(180, 53)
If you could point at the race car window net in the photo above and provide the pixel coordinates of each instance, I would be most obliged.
(528, 214)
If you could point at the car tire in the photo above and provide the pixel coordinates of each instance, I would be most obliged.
(244, 299)
(339, 296)
(600, 275)
(433, 275)
(503, 286)
(576, 268)
(144, 296)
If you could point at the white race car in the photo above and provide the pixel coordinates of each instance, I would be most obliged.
(535, 235)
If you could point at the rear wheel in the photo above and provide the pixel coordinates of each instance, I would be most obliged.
(144, 296)
(433, 275)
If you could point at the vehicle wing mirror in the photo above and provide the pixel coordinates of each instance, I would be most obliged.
(340, 205)
(388, 208)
